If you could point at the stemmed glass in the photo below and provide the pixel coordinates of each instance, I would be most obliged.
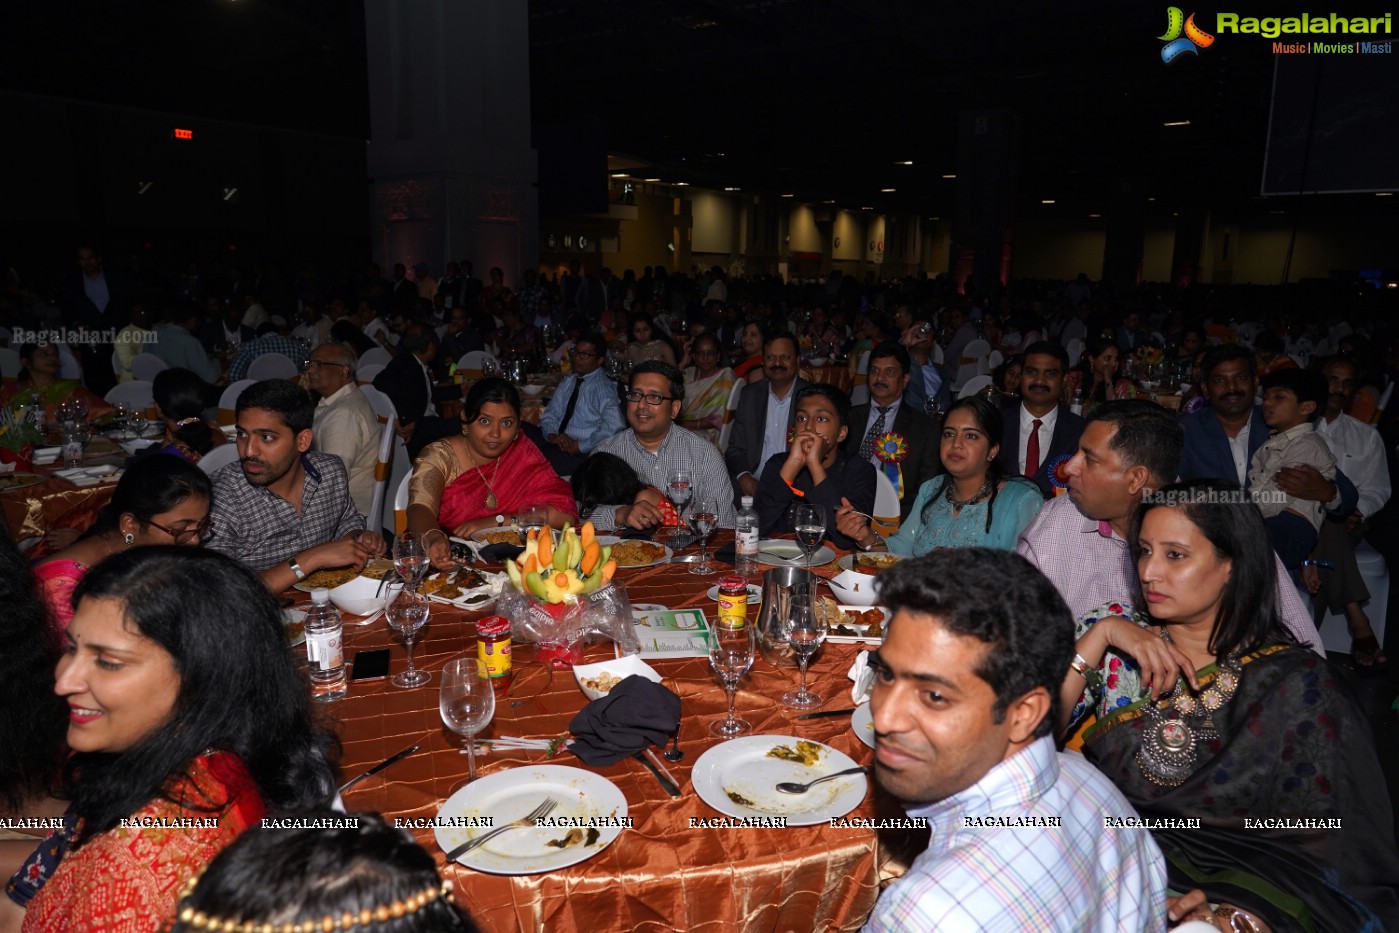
(410, 558)
(703, 519)
(490, 368)
(809, 522)
(467, 703)
(805, 630)
(532, 517)
(678, 488)
(137, 422)
(731, 651)
(407, 612)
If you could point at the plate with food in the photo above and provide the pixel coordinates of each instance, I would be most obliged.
(862, 724)
(635, 554)
(465, 588)
(780, 552)
(590, 815)
(294, 622)
(326, 579)
(871, 563)
(850, 625)
(740, 777)
(502, 534)
(597, 680)
(378, 568)
(11, 481)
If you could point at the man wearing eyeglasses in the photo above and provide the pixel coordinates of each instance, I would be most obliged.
(654, 446)
(345, 424)
(583, 413)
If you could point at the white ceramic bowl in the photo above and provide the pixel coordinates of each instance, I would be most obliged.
(621, 668)
(855, 589)
(531, 390)
(357, 597)
(818, 361)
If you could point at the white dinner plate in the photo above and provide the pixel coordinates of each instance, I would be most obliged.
(743, 768)
(862, 724)
(295, 621)
(664, 558)
(791, 554)
(755, 593)
(511, 795)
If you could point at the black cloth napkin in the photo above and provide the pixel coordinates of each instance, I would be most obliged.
(635, 714)
(500, 553)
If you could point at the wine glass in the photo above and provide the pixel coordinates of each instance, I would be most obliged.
(532, 517)
(805, 630)
(678, 487)
(731, 651)
(809, 522)
(407, 612)
(490, 368)
(467, 703)
(137, 422)
(410, 558)
(121, 418)
(703, 519)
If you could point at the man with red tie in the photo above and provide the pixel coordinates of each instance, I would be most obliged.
(1040, 430)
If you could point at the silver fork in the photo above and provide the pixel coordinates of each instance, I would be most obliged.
(538, 813)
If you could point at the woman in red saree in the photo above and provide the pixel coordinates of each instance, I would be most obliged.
(183, 704)
(483, 477)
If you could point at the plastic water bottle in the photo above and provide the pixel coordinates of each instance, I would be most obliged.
(325, 655)
(746, 538)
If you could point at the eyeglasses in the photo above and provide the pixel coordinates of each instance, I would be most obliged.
(310, 363)
(201, 532)
(650, 398)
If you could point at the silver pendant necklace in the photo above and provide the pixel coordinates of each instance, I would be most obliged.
(1176, 732)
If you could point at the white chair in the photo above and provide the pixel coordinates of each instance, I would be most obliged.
(972, 363)
(145, 366)
(381, 403)
(1383, 403)
(886, 505)
(366, 373)
(136, 393)
(400, 506)
(474, 363)
(973, 385)
(386, 461)
(995, 359)
(220, 456)
(116, 365)
(938, 357)
(375, 355)
(1335, 634)
(730, 411)
(1075, 351)
(860, 391)
(10, 364)
(272, 366)
(228, 402)
(68, 367)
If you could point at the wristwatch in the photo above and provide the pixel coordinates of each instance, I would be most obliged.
(296, 569)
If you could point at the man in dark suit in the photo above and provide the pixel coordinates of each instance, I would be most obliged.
(96, 300)
(222, 328)
(408, 382)
(1041, 429)
(888, 411)
(765, 413)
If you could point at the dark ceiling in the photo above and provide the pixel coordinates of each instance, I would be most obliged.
(817, 98)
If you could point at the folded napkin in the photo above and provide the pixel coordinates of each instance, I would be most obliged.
(635, 714)
(863, 675)
(499, 553)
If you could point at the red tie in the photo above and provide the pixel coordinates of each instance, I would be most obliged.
(1032, 450)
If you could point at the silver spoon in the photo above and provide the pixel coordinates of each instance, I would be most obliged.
(789, 787)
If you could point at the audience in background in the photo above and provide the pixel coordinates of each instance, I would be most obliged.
(707, 388)
(888, 416)
(345, 424)
(1040, 433)
(765, 414)
(585, 409)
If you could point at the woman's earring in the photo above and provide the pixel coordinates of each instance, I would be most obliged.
(129, 538)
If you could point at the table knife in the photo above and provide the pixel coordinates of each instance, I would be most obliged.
(391, 760)
(666, 786)
(822, 714)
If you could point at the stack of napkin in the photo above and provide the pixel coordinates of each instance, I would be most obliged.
(635, 714)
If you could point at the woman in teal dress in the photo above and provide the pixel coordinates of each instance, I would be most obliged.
(971, 505)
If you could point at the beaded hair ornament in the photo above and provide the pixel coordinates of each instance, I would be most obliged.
(327, 924)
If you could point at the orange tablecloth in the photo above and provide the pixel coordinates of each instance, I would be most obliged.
(56, 503)
(662, 874)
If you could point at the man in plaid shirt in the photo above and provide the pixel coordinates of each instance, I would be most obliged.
(268, 341)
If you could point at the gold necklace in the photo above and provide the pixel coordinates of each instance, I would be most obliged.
(491, 500)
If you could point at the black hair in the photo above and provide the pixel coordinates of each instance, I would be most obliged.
(837, 398)
(992, 424)
(150, 486)
(1308, 385)
(1147, 435)
(661, 368)
(887, 349)
(1049, 348)
(1096, 348)
(998, 375)
(999, 598)
(495, 389)
(1248, 616)
(593, 339)
(274, 875)
(637, 316)
(290, 401)
(345, 331)
(417, 338)
(1226, 353)
(769, 339)
(240, 690)
(33, 719)
(708, 337)
(180, 395)
(604, 479)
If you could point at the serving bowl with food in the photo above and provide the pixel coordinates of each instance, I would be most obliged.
(597, 680)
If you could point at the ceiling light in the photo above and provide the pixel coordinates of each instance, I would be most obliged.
(1095, 216)
(937, 218)
(949, 176)
(621, 174)
(789, 195)
(701, 24)
(730, 189)
(1151, 199)
(886, 190)
(1384, 194)
(1047, 201)
(1176, 123)
(829, 201)
(143, 186)
(230, 193)
(682, 184)
(909, 162)
(866, 208)
(650, 179)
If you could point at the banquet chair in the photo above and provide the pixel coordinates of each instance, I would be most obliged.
(9, 363)
(1075, 350)
(885, 520)
(220, 456)
(1383, 403)
(366, 373)
(375, 355)
(973, 385)
(400, 506)
(145, 366)
(228, 402)
(385, 462)
(136, 393)
(272, 366)
(860, 390)
(996, 358)
(116, 365)
(972, 362)
(68, 367)
(730, 411)
(472, 365)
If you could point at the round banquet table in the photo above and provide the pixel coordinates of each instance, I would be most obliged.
(661, 874)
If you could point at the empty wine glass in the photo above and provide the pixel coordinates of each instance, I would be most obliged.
(410, 558)
(731, 651)
(703, 519)
(490, 367)
(121, 418)
(532, 517)
(407, 611)
(805, 630)
(809, 522)
(467, 703)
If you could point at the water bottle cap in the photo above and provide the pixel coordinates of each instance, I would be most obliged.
(320, 596)
(747, 501)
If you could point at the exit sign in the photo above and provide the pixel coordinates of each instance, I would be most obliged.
(183, 134)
